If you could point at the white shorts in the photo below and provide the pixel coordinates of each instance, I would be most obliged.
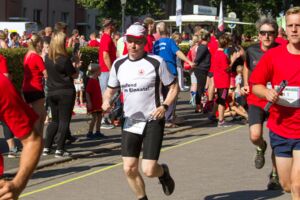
(79, 87)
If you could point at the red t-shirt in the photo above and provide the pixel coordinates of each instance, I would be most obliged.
(94, 90)
(191, 56)
(149, 46)
(93, 43)
(220, 63)
(276, 65)
(125, 50)
(3, 65)
(33, 73)
(1, 165)
(212, 47)
(281, 41)
(18, 116)
(107, 45)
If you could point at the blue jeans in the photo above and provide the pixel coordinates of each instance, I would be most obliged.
(103, 80)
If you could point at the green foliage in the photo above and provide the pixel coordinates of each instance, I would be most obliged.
(89, 55)
(184, 47)
(15, 58)
(112, 8)
(250, 11)
(245, 45)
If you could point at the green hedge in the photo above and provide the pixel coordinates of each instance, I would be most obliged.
(15, 59)
(184, 47)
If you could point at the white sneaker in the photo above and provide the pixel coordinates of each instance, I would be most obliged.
(185, 89)
(107, 126)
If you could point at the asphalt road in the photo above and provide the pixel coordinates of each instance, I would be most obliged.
(206, 163)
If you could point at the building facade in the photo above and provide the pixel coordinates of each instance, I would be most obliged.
(48, 12)
(9, 8)
(187, 6)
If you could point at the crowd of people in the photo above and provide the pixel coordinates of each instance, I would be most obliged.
(141, 74)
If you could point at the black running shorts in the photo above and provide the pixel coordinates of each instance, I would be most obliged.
(256, 115)
(31, 97)
(151, 140)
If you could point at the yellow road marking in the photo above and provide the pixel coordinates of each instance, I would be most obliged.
(199, 139)
(118, 164)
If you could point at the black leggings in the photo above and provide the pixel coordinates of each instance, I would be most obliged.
(7, 132)
(201, 82)
(61, 110)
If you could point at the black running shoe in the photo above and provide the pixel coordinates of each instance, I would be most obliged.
(274, 183)
(99, 135)
(90, 135)
(71, 139)
(167, 181)
(260, 156)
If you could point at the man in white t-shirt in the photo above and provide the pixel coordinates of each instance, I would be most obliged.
(139, 76)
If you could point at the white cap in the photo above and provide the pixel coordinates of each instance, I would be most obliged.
(136, 30)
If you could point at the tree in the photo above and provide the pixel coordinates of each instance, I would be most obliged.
(112, 8)
(250, 11)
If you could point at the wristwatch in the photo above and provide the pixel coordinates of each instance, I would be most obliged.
(166, 107)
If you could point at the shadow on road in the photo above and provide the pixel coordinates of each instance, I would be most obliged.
(65, 171)
(246, 195)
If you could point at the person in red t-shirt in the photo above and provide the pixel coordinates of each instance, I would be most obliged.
(73, 39)
(149, 24)
(107, 55)
(107, 52)
(267, 31)
(221, 68)
(20, 119)
(94, 101)
(93, 40)
(281, 37)
(212, 47)
(34, 72)
(13, 149)
(3, 66)
(278, 64)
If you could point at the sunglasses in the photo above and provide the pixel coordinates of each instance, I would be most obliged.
(270, 33)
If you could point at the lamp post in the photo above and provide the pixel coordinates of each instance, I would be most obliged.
(123, 4)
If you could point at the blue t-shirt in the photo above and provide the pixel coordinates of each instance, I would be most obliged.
(167, 48)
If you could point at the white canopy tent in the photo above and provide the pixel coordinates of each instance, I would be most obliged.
(202, 19)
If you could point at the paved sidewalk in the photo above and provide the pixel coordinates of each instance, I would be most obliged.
(84, 147)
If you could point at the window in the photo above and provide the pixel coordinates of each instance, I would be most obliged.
(53, 21)
(88, 18)
(37, 15)
(65, 17)
(24, 12)
(96, 22)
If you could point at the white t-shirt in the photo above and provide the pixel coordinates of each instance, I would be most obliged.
(238, 81)
(140, 82)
